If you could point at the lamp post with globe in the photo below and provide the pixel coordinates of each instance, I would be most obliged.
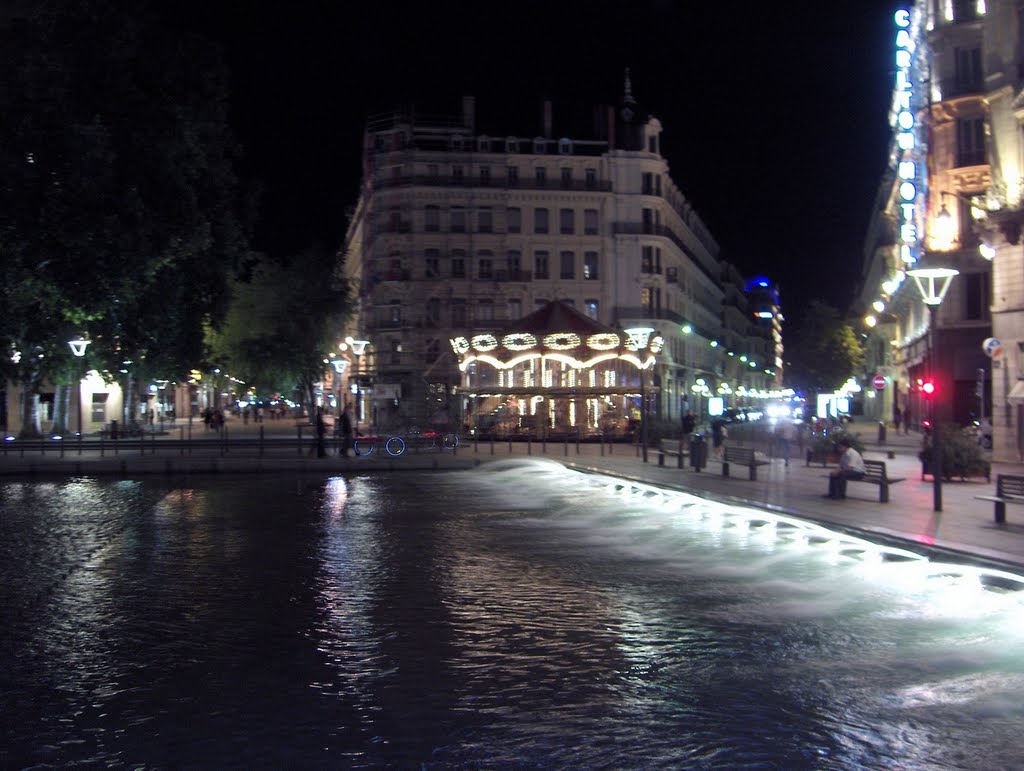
(78, 346)
(933, 283)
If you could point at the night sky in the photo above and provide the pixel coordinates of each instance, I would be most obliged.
(774, 115)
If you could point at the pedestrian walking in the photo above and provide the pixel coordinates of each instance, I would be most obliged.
(784, 437)
(719, 433)
(345, 429)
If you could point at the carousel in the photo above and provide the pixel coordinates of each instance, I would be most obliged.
(556, 373)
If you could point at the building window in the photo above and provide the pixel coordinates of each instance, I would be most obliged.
(565, 146)
(484, 220)
(432, 219)
(433, 312)
(432, 263)
(515, 309)
(512, 175)
(485, 176)
(433, 171)
(970, 141)
(515, 219)
(484, 143)
(540, 175)
(458, 143)
(540, 265)
(590, 266)
(567, 263)
(652, 144)
(968, 70)
(647, 259)
(433, 353)
(539, 146)
(976, 298)
(590, 178)
(648, 220)
(647, 183)
(965, 10)
(458, 174)
(458, 219)
(566, 222)
(590, 222)
(590, 308)
(566, 178)
(395, 312)
(514, 262)
(458, 264)
(396, 352)
(485, 310)
(540, 220)
(511, 145)
(485, 265)
(458, 312)
(647, 301)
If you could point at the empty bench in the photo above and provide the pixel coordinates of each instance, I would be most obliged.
(741, 456)
(1009, 489)
(875, 474)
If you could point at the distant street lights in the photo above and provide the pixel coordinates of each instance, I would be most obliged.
(933, 283)
(78, 346)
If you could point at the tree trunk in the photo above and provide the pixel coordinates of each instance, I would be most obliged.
(29, 408)
(128, 418)
(61, 411)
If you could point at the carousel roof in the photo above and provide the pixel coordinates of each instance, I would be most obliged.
(558, 316)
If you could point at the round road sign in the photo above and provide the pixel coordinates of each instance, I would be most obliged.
(878, 381)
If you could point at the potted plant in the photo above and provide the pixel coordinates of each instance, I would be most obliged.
(962, 456)
(823, 447)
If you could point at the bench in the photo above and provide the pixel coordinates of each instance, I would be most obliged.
(741, 456)
(1009, 489)
(875, 474)
(670, 447)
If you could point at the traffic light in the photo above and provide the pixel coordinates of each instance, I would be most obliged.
(927, 388)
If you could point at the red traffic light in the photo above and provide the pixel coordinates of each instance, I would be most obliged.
(928, 388)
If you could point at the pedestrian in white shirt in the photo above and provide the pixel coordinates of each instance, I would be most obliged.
(851, 466)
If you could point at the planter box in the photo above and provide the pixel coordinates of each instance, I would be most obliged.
(926, 470)
(823, 457)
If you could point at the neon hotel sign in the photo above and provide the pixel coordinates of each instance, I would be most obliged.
(907, 166)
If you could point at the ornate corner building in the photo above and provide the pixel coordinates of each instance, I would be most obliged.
(458, 232)
(951, 198)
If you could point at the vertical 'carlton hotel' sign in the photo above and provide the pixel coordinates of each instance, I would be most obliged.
(907, 166)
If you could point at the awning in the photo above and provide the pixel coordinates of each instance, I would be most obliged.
(1017, 392)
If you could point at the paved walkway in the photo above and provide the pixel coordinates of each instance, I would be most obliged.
(964, 530)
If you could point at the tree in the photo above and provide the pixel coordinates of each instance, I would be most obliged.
(119, 211)
(282, 322)
(825, 351)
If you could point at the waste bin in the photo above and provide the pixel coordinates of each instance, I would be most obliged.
(113, 429)
(881, 432)
(698, 452)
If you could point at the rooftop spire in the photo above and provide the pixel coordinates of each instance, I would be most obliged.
(627, 97)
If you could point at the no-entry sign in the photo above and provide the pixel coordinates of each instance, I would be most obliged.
(878, 381)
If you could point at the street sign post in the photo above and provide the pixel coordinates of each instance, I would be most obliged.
(878, 381)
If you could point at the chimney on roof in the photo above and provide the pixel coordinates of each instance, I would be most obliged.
(469, 113)
(547, 119)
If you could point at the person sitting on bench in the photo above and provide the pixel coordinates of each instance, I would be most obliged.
(851, 466)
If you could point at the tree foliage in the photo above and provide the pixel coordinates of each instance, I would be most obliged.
(119, 211)
(824, 352)
(283, 321)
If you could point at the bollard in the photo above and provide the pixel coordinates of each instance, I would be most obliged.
(881, 432)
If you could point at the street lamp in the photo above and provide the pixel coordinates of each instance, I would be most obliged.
(358, 348)
(339, 368)
(933, 283)
(78, 346)
(638, 339)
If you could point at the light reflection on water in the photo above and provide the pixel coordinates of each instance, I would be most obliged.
(522, 616)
